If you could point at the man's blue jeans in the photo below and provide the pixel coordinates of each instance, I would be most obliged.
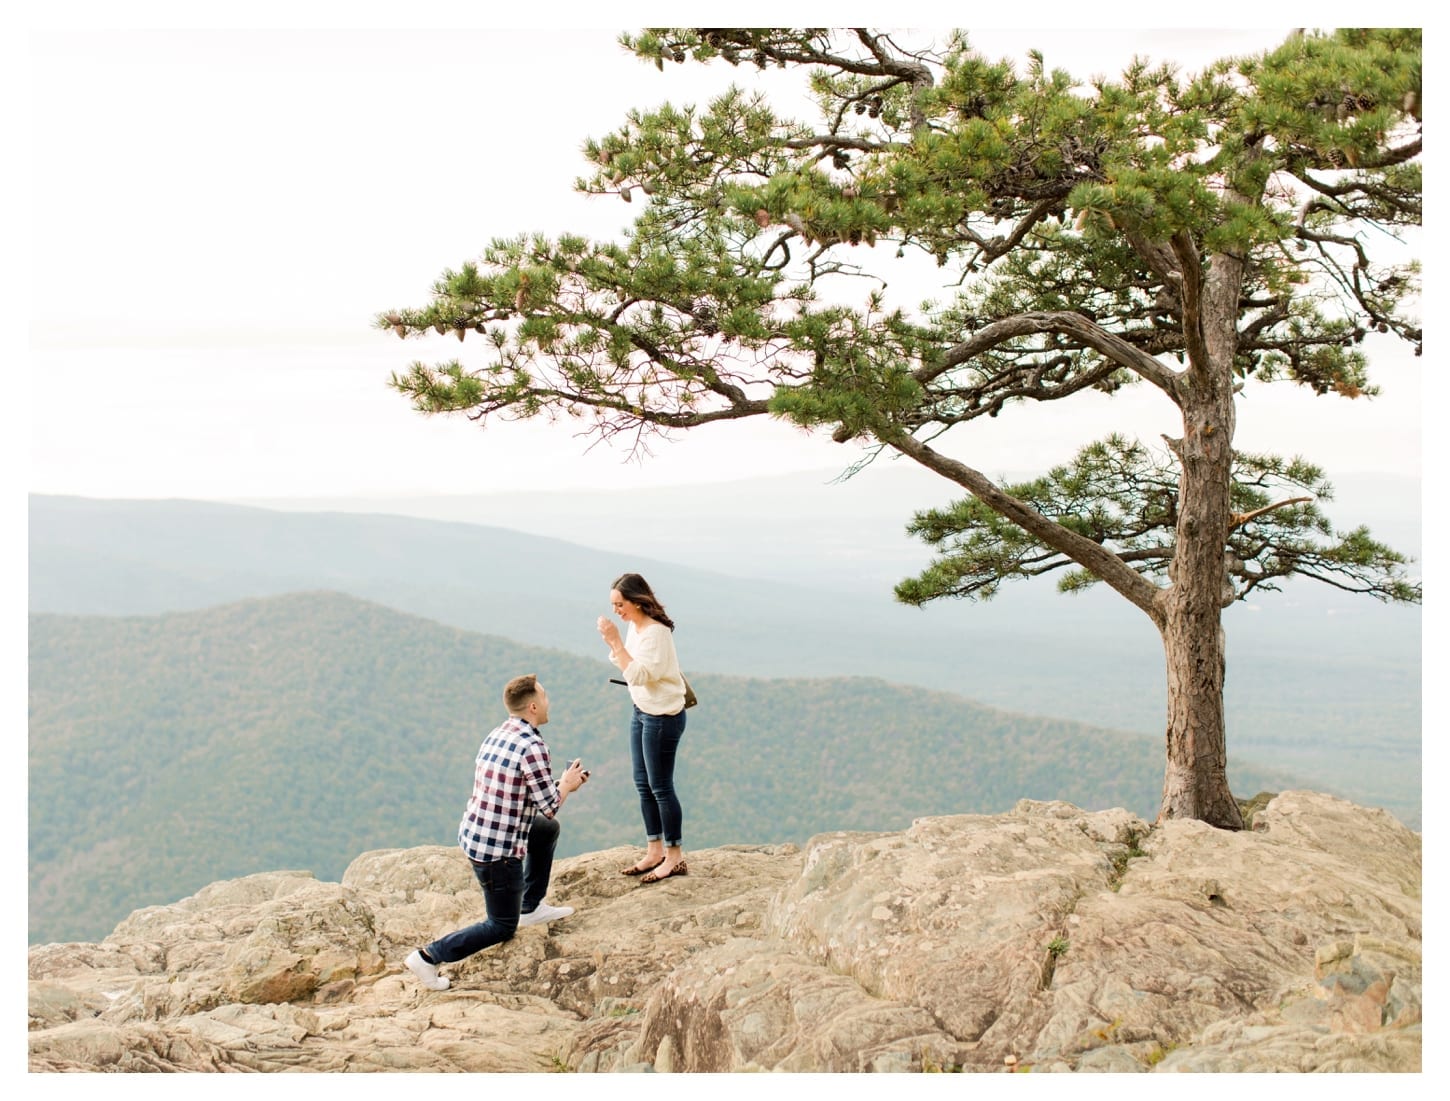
(653, 741)
(510, 886)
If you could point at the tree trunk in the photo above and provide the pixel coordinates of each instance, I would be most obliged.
(1195, 781)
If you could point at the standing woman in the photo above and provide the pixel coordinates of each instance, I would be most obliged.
(646, 657)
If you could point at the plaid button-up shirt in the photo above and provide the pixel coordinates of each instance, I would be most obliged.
(512, 781)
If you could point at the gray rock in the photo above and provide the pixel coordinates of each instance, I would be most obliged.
(1046, 939)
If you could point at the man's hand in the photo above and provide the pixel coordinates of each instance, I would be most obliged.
(574, 776)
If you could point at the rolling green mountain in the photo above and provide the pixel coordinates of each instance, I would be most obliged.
(299, 731)
(1321, 684)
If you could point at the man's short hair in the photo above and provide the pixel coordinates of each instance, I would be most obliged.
(518, 692)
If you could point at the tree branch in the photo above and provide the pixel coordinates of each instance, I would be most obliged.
(1239, 519)
(1093, 557)
(1072, 324)
(1190, 293)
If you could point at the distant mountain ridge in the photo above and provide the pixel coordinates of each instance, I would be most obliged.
(296, 731)
(1326, 688)
(816, 528)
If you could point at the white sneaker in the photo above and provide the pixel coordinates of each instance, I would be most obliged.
(544, 912)
(427, 972)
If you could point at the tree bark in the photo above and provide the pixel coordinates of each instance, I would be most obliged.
(1195, 780)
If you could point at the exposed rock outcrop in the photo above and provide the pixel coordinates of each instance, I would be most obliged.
(1047, 938)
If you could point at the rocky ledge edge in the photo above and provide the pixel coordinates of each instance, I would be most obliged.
(1046, 938)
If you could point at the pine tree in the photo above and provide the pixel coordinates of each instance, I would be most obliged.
(1241, 226)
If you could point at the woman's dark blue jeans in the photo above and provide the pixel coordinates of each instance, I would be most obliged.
(653, 741)
(503, 891)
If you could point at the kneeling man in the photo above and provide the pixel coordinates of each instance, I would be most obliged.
(510, 849)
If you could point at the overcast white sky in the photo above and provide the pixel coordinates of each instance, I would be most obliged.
(216, 216)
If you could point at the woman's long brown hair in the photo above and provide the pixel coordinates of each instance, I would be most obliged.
(636, 590)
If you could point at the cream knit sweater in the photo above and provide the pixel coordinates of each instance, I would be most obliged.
(655, 682)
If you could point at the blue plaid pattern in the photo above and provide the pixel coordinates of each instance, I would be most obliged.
(512, 781)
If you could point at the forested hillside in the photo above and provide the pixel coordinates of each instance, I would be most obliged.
(1323, 684)
(299, 731)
